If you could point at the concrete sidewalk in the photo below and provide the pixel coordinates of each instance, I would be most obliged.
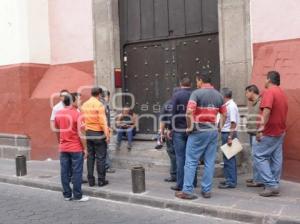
(241, 204)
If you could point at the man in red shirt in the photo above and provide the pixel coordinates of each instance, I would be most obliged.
(71, 147)
(267, 148)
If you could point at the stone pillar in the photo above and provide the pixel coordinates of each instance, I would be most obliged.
(235, 46)
(106, 41)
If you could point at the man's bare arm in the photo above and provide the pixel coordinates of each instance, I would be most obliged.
(189, 120)
(265, 117)
(57, 136)
(222, 121)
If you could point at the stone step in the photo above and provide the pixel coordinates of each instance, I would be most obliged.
(144, 154)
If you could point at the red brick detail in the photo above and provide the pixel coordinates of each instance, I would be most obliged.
(25, 91)
(283, 56)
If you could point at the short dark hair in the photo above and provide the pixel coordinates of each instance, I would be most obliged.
(76, 94)
(69, 99)
(252, 88)
(204, 76)
(226, 92)
(96, 91)
(63, 91)
(186, 82)
(274, 77)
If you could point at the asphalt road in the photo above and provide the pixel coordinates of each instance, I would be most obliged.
(24, 205)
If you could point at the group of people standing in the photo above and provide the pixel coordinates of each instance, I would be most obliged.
(83, 131)
(191, 123)
(192, 119)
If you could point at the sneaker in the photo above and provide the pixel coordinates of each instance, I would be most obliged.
(68, 199)
(82, 199)
(110, 170)
(269, 192)
(129, 147)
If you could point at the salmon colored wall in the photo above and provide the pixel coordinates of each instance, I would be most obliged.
(283, 56)
(25, 91)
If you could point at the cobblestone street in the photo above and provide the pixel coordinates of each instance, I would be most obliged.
(23, 205)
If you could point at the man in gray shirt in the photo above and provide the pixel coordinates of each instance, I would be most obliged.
(252, 94)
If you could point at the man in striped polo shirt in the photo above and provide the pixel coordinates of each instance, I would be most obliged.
(204, 105)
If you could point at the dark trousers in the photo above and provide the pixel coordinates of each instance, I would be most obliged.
(97, 150)
(230, 169)
(71, 162)
(172, 156)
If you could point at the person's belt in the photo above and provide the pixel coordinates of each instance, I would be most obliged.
(199, 126)
(100, 132)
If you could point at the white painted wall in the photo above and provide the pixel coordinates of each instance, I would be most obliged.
(38, 32)
(24, 29)
(71, 30)
(273, 20)
(13, 32)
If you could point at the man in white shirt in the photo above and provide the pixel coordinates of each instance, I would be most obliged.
(59, 106)
(228, 133)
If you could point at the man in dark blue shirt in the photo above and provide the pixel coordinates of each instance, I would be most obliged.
(179, 104)
(165, 134)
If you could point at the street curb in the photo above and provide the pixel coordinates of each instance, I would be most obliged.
(175, 205)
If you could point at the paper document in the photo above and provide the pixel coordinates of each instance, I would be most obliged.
(234, 149)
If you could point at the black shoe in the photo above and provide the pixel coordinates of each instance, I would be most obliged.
(206, 194)
(91, 183)
(158, 147)
(129, 147)
(175, 188)
(254, 184)
(225, 186)
(103, 183)
(223, 182)
(170, 179)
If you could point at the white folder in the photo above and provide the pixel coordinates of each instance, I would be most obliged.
(234, 149)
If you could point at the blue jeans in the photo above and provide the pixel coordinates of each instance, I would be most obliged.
(179, 143)
(130, 132)
(230, 169)
(255, 172)
(71, 162)
(201, 144)
(172, 156)
(268, 159)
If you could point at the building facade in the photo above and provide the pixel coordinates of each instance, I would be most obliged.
(45, 46)
(48, 45)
